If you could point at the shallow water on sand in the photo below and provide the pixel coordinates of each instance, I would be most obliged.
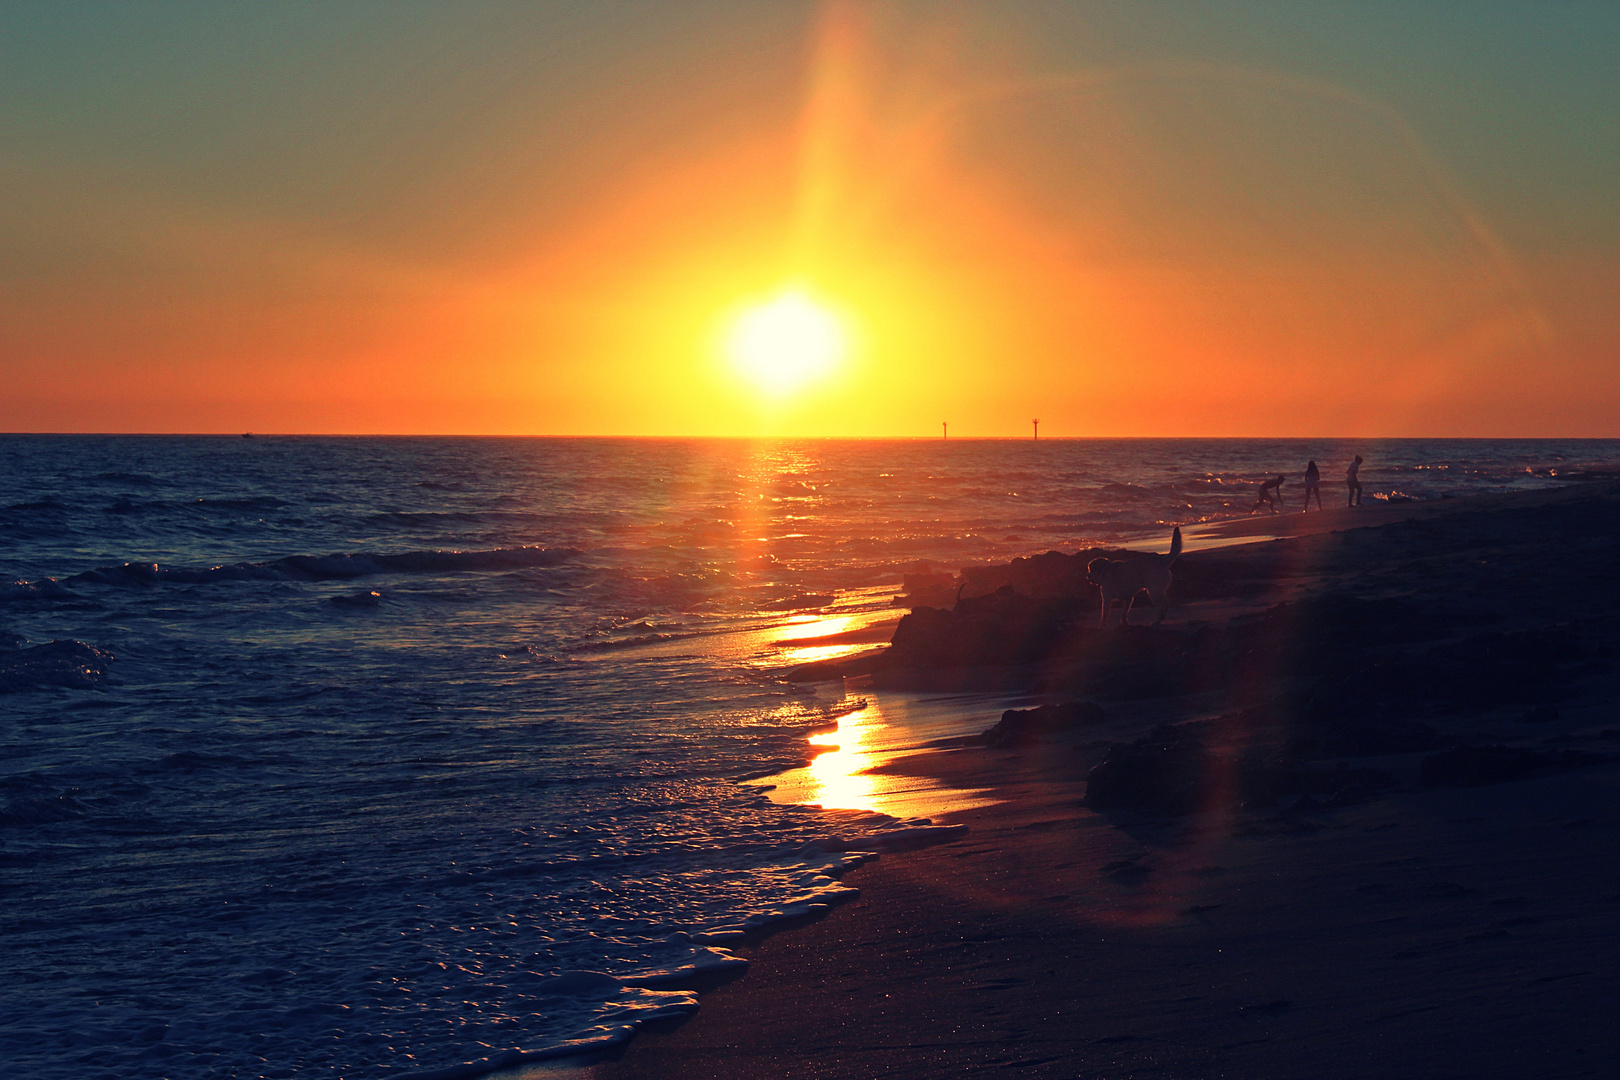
(369, 743)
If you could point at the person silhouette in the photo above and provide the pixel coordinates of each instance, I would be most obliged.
(1313, 486)
(1351, 477)
(1270, 492)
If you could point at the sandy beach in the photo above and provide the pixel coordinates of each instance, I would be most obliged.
(1420, 884)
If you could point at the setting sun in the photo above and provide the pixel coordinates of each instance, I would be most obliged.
(786, 343)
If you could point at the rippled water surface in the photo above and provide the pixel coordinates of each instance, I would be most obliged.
(372, 750)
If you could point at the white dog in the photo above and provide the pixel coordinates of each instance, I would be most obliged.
(1122, 579)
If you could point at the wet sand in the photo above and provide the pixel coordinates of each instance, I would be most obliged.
(1419, 932)
(1423, 936)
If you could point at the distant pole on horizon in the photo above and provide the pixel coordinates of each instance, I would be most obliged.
(1037, 424)
(944, 430)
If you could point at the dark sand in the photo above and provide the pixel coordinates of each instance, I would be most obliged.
(1417, 932)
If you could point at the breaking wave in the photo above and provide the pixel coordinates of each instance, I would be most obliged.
(71, 665)
(337, 567)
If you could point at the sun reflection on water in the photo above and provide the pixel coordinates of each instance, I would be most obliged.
(838, 773)
(841, 777)
(814, 626)
(811, 653)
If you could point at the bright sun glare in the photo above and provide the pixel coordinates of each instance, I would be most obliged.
(784, 344)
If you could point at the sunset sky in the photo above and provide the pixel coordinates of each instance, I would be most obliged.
(566, 219)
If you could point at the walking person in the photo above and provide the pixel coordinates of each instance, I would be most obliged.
(1313, 486)
(1353, 494)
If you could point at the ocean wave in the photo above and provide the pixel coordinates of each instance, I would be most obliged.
(336, 567)
(1213, 483)
(141, 479)
(46, 809)
(416, 519)
(322, 567)
(189, 761)
(621, 1003)
(875, 544)
(632, 642)
(615, 1005)
(81, 803)
(255, 505)
(260, 502)
(71, 665)
(43, 589)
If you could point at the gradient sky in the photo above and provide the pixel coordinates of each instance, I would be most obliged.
(1126, 219)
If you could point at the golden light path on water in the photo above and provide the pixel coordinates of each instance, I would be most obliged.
(879, 727)
(844, 777)
(811, 628)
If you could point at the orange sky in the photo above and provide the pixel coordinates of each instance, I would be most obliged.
(1179, 240)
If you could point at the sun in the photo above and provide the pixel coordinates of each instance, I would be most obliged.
(786, 343)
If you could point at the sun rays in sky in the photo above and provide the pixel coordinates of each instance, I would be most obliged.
(1129, 249)
(837, 219)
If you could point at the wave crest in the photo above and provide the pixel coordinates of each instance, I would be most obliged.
(342, 566)
(69, 664)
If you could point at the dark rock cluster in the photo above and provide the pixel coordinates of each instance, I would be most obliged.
(1412, 639)
(1002, 629)
(1181, 768)
(1025, 727)
(926, 586)
(1374, 666)
(1056, 575)
(1169, 770)
(1049, 576)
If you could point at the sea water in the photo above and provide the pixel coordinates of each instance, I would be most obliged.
(372, 756)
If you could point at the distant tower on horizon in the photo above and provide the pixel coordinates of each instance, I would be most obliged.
(944, 430)
(1037, 425)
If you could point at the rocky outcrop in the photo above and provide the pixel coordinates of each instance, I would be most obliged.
(1002, 629)
(1208, 575)
(1170, 770)
(1026, 727)
(1048, 576)
(925, 585)
(1182, 768)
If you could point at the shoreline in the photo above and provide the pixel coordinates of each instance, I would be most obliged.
(1422, 930)
(1065, 947)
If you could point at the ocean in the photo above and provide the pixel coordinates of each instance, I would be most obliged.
(360, 757)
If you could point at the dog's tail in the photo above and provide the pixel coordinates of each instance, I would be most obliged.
(1175, 546)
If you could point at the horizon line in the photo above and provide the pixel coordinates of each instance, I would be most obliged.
(805, 438)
